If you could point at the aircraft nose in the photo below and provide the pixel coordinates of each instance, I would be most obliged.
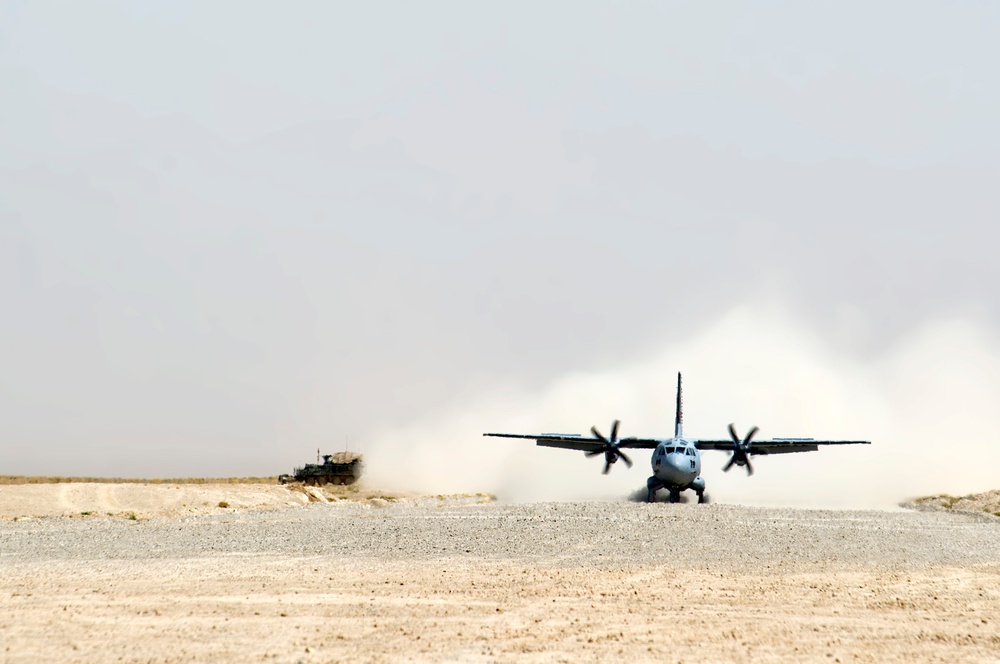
(677, 466)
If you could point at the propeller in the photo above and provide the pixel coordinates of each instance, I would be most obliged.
(740, 449)
(610, 450)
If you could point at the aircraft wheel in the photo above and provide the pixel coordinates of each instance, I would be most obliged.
(675, 496)
(652, 486)
(702, 498)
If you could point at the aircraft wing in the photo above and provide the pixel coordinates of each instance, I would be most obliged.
(577, 442)
(776, 446)
(640, 443)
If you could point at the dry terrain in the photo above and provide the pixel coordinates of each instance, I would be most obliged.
(283, 575)
(133, 499)
(977, 503)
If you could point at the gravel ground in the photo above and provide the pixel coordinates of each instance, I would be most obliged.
(574, 534)
(433, 580)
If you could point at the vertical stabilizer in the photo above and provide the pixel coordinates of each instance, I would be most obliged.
(679, 418)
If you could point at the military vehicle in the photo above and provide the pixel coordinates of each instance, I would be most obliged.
(339, 468)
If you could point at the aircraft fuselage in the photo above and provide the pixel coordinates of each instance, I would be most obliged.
(676, 466)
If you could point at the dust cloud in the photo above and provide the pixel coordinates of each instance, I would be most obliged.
(927, 405)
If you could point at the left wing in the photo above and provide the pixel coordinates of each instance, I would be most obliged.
(568, 441)
(777, 445)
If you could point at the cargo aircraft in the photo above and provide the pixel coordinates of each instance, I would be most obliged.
(676, 461)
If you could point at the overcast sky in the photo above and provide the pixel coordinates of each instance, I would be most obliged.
(231, 233)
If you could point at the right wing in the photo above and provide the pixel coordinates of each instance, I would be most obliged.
(577, 442)
(776, 446)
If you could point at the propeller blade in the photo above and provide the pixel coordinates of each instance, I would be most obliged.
(753, 432)
(607, 467)
(628, 462)
(749, 468)
(614, 430)
(732, 460)
(597, 434)
(732, 434)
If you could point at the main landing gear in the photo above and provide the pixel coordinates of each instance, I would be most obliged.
(653, 485)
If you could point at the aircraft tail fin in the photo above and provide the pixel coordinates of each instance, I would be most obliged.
(679, 417)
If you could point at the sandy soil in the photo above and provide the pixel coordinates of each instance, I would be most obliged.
(142, 500)
(417, 582)
(987, 503)
(318, 610)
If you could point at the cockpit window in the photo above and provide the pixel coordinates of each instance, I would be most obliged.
(690, 452)
(670, 450)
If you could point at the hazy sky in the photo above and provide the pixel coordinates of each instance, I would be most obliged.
(231, 233)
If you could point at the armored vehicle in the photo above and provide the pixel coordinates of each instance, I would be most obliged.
(339, 468)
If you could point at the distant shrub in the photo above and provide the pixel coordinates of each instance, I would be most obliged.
(223, 504)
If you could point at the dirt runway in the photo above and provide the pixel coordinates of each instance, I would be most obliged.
(316, 610)
(434, 581)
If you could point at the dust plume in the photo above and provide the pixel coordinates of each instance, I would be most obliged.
(927, 404)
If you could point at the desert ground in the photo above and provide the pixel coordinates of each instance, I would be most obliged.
(163, 573)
